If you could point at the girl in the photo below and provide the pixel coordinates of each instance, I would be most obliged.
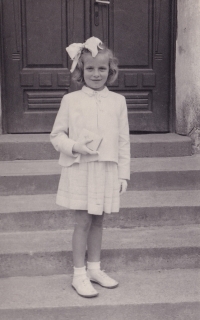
(92, 135)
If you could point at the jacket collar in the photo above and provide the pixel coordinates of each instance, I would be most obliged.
(91, 92)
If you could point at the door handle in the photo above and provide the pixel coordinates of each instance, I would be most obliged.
(102, 1)
(96, 14)
(96, 10)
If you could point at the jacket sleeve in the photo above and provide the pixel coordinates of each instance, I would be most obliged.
(124, 144)
(59, 134)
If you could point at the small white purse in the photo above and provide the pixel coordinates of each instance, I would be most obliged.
(89, 135)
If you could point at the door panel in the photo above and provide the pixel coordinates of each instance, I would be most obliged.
(37, 66)
(131, 32)
(141, 41)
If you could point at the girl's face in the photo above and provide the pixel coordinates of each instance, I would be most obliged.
(95, 70)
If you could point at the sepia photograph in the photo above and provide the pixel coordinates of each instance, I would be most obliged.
(99, 159)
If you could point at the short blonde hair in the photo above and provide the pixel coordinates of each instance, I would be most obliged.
(78, 74)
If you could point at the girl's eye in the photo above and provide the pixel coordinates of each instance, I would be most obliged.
(89, 68)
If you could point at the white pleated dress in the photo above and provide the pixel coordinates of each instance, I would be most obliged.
(91, 186)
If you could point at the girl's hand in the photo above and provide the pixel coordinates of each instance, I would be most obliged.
(81, 147)
(122, 186)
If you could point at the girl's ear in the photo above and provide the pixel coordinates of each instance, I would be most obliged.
(111, 71)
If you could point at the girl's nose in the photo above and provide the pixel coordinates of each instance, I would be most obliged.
(96, 73)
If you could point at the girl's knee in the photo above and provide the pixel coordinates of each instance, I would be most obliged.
(97, 221)
(83, 220)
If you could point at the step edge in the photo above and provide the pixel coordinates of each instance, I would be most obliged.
(181, 286)
(157, 238)
(131, 199)
(139, 165)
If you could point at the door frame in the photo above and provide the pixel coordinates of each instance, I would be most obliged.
(2, 77)
(172, 97)
(172, 93)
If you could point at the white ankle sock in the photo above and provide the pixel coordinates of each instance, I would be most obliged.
(93, 265)
(79, 271)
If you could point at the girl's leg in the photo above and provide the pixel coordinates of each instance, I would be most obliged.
(95, 238)
(94, 250)
(81, 282)
(83, 222)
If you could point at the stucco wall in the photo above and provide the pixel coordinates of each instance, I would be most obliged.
(188, 68)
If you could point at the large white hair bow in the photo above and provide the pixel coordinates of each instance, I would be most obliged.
(75, 49)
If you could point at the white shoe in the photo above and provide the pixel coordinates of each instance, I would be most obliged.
(83, 287)
(100, 277)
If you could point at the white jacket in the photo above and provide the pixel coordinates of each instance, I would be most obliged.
(102, 112)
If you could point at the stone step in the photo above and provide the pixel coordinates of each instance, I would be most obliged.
(138, 209)
(38, 147)
(42, 176)
(49, 252)
(147, 295)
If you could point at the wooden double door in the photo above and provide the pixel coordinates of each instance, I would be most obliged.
(36, 66)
